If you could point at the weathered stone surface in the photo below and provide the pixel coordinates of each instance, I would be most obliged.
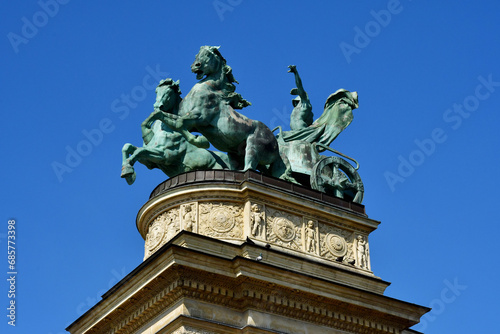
(231, 253)
(246, 211)
(196, 284)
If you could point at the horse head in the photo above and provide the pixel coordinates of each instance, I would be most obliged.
(168, 95)
(208, 61)
(209, 64)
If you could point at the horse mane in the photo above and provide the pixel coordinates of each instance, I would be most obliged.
(235, 100)
(169, 82)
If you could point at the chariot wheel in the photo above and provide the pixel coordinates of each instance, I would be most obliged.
(335, 176)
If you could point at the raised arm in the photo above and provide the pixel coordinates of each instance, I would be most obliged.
(176, 123)
(300, 89)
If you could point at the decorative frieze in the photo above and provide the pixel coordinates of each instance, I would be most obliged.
(295, 231)
(337, 244)
(312, 229)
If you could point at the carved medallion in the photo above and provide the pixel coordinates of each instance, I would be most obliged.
(161, 230)
(284, 229)
(336, 245)
(155, 235)
(221, 220)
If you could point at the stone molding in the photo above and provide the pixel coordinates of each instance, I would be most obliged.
(192, 330)
(236, 177)
(184, 282)
(312, 228)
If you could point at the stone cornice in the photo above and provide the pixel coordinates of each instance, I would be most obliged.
(236, 177)
(240, 284)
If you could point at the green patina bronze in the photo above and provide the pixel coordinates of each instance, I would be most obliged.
(337, 115)
(302, 115)
(167, 149)
(209, 109)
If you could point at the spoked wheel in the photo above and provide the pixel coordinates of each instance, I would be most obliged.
(335, 176)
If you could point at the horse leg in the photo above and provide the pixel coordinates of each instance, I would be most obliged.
(127, 150)
(234, 161)
(182, 125)
(261, 147)
(269, 154)
(280, 168)
(146, 156)
(128, 172)
(252, 157)
(149, 157)
(172, 121)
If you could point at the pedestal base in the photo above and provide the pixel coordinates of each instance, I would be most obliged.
(229, 252)
(196, 284)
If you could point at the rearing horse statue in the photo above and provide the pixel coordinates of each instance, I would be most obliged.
(168, 149)
(209, 109)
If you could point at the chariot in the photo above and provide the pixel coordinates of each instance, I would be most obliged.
(333, 175)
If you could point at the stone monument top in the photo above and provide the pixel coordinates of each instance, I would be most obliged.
(264, 235)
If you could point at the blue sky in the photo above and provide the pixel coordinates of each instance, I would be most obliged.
(425, 134)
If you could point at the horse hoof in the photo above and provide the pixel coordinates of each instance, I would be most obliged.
(289, 178)
(130, 178)
(127, 170)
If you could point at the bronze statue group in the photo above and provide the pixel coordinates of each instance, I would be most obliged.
(241, 143)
